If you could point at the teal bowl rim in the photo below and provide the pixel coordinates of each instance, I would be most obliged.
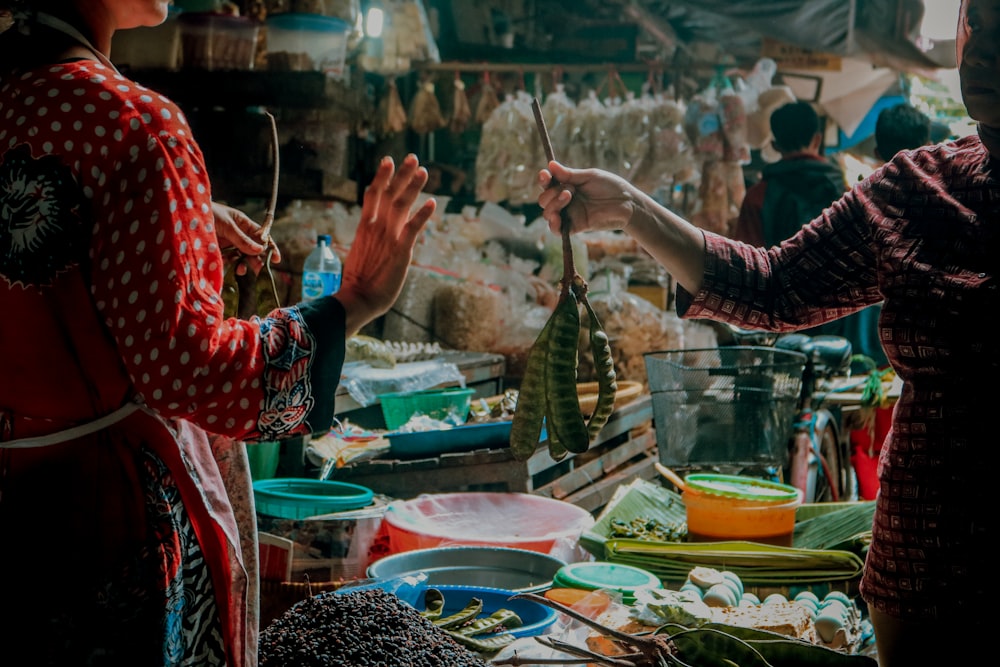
(358, 493)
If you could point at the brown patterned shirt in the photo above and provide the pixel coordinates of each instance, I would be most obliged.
(921, 233)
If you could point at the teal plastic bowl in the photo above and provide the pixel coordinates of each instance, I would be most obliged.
(295, 498)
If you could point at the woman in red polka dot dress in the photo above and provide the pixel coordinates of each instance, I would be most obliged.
(120, 516)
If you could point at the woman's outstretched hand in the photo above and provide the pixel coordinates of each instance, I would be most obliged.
(379, 259)
(594, 199)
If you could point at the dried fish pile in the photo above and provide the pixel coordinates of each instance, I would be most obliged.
(364, 628)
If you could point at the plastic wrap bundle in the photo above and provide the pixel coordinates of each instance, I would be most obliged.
(588, 141)
(469, 316)
(670, 154)
(634, 327)
(412, 316)
(510, 153)
(425, 111)
(392, 117)
(461, 112)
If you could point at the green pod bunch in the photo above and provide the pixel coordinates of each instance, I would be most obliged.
(526, 426)
(604, 370)
(565, 418)
(714, 648)
(783, 651)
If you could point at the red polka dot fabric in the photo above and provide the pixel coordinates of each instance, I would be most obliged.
(110, 279)
(109, 211)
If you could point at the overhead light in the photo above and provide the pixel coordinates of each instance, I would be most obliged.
(374, 20)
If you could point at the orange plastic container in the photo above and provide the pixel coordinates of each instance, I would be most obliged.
(713, 518)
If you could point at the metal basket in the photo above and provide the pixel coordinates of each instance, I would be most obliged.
(724, 406)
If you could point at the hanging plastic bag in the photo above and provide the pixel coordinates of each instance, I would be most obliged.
(488, 100)
(391, 112)
(425, 110)
(461, 112)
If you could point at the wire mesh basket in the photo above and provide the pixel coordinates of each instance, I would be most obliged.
(724, 406)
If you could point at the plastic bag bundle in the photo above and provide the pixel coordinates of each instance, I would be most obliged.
(392, 117)
(488, 101)
(461, 112)
(425, 111)
(510, 153)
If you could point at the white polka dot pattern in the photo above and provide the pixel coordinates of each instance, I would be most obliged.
(147, 238)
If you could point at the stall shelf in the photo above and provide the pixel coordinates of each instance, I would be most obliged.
(625, 449)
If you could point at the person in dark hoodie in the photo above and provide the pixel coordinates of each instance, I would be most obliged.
(796, 188)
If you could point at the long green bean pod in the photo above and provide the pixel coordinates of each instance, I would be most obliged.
(784, 651)
(604, 370)
(501, 618)
(710, 648)
(526, 426)
(566, 419)
(557, 450)
(433, 604)
(490, 644)
(471, 610)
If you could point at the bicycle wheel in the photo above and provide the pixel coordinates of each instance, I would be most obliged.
(832, 472)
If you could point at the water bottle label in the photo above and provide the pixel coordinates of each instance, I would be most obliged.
(333, 283)
(312, 285)
(316, 284)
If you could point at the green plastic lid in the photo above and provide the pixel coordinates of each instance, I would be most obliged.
(605, 576)
(742, 488)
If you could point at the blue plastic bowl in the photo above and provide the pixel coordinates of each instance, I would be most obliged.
(536, 618)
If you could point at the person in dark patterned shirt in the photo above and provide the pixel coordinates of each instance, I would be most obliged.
(921, 235)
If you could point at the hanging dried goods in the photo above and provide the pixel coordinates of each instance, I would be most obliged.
(391, 112)
(461, 112)
(488, 100)
(425, 110)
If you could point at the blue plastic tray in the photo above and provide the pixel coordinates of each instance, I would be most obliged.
(489, 435)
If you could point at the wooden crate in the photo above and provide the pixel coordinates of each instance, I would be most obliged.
(626, 447)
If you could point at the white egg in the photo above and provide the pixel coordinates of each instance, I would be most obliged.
(720, 595)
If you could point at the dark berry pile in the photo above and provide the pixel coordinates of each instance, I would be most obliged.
(365, 628)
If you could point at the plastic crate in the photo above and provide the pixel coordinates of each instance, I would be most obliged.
(724, 406)
(450, 405)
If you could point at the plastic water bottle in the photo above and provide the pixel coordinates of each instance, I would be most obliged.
(321, 271)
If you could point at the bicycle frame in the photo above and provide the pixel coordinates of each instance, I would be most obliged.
(806, 459)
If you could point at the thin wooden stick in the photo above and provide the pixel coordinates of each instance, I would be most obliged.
(569, 266)
(265, 228)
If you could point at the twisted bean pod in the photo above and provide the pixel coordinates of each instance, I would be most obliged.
(565, 418)
(604, 369)
(526, 426)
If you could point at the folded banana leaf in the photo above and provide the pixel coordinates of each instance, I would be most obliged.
(755, 563)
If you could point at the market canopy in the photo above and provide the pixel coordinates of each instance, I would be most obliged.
(884, 33)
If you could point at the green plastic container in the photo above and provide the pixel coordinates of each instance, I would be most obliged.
(295, 498)
(449, 405)
(263, 457)
(624, 579)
